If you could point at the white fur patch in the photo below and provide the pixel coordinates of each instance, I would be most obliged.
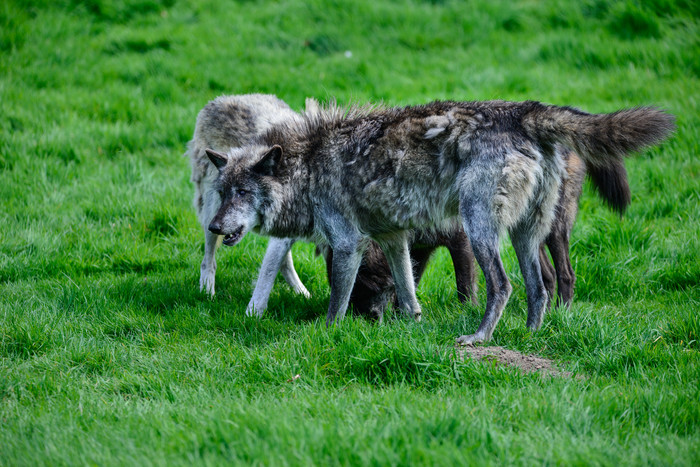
(435, 125)
(433, 132)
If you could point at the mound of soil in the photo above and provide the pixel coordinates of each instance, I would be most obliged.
(513, 358)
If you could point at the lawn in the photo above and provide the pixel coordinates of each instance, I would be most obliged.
(110, 355)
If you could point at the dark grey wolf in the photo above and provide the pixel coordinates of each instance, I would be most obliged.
(345, 176)
(226, 122)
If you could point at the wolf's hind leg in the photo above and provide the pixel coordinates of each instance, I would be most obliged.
(483, 235)
(207, 275)
(527, 245)
(291, 276)
(558, 243)
(399, 259)
(463, 261)
(547, 273)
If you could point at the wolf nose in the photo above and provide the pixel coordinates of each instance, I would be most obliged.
(215, 227)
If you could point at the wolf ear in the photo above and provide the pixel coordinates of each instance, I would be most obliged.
(219, 160)
(268, 164)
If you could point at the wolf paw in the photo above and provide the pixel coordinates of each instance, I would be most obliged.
(471, 339)
(300, 289)
(253, 310)
(206, 283)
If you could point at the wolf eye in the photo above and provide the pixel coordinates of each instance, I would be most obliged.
(242, 193)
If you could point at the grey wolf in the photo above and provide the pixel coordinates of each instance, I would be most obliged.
(374, 286)
(345, 176)
(226, 122)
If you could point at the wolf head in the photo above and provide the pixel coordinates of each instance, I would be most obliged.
(241, 184)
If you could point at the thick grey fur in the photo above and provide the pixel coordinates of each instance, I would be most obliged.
(345, 176)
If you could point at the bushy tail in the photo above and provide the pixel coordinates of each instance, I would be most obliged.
(611, 184)
(600, 139)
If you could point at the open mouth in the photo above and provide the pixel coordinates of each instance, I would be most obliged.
(233, 238)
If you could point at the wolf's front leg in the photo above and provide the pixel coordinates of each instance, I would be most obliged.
(348, 246)
(397, 255)
(207, 275)
(346, 262)
(275, 256)
(207, 202)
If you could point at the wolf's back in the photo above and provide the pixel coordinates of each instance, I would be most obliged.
(600, 139)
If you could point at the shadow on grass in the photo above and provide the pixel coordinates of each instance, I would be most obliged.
(154, 294)
(175, 305)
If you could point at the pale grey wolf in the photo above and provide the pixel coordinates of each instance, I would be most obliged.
(226, 122)
(344, 176)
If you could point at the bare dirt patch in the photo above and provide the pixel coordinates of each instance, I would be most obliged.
(513, 358)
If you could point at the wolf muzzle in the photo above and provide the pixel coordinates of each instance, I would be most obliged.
(229, 239)
(215, 228)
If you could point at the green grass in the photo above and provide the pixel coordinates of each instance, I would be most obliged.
(110, 355)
